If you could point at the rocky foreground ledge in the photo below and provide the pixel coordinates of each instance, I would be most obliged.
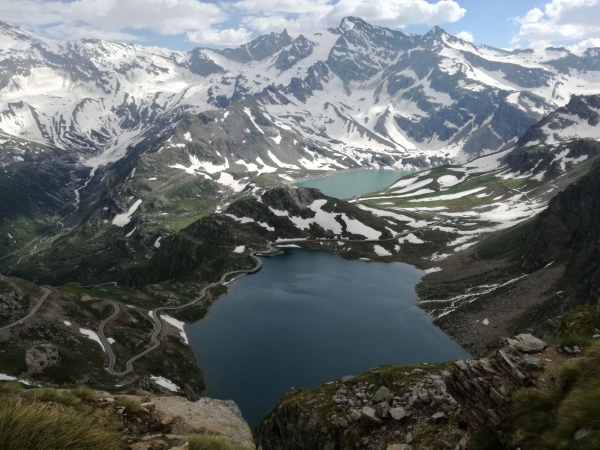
(414, 407)
(162, 420)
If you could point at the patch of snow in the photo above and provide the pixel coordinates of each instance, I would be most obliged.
(380, 251)
(433, 270)
(93, 336)
(410, 238)
(4, 377)
(447, 181)
(177, 324)
(239, 249)
(249, 114)
(448, 196)
(167, 384)
(121, 220)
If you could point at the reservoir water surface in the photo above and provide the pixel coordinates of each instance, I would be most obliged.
(357, 182)
(307, 318)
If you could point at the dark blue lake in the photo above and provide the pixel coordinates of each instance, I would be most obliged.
(309, 317)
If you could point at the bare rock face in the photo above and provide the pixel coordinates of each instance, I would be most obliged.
(567, 231)
(41, 357)
(220, 417)
(13, 301)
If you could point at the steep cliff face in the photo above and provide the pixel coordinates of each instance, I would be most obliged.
(568, 232)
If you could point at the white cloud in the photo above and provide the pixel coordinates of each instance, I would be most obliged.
(220, 37)
(284, 6)
(111, 19)
(532, 16)
(162, 16)
(465, 36)
(560, 21)
(64, 31)
(276, 15)
(202, 21)
(583, 45)
(399, 13)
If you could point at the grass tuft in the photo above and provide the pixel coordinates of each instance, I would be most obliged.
(574, 340)
(532, 411)
(11, 387)
(84, 393)
(38, 426)
(130, 404)
(53, 396)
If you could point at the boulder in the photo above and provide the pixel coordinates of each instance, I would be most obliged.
(398, 413)
(41, 357)
(438, 417)
(370, 415)
(527, 343)
(582, 433)
(381, 395)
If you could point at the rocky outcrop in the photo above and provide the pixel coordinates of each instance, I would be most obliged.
(207, 415)
(168, 417)
(484, 386)
(390, 408)
(13, 301)
(412, 407)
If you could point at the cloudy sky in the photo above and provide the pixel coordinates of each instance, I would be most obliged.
(184, 24)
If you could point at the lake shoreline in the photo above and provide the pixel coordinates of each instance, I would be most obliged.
(303, 309)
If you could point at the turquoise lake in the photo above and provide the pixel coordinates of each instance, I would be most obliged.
(358, 182)
(307, 318)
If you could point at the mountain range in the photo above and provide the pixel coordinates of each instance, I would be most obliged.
(359, 94)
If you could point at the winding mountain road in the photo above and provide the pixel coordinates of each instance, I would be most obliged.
(33, 311)
(157, 323)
